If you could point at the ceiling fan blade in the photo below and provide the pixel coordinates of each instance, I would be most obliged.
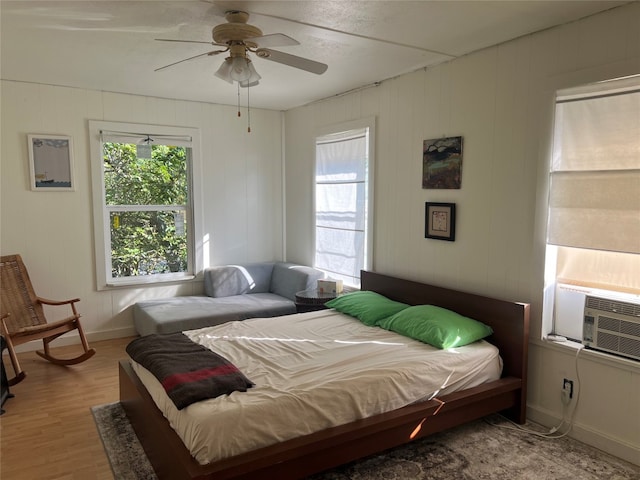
(213, 52)
(292, 60)
(274, 40)
(189, 41)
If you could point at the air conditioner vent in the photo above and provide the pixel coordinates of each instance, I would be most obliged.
(629, 347)
(609, 305)
(608, 323)
(630, 328)
(612, 326)
(607, 341)
(619, 326)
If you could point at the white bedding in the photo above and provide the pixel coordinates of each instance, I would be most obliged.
(314, 371)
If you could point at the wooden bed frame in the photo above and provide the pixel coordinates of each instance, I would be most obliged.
(303, 456)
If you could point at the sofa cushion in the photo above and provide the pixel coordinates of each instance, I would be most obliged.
(289, 278)
(229, 280)
(178, 314)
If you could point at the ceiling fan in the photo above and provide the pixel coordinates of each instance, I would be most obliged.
(239, 39)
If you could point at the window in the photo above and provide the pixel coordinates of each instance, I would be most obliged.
(593, 232)
(143, 203)
(343, 200)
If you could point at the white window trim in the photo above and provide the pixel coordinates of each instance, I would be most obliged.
(100, 214)
(370, 123)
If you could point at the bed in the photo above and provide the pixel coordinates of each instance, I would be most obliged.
(313, 452)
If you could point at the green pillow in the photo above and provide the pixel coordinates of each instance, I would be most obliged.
(436, 326)
(369, 307)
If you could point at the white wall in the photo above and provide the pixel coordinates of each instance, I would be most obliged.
(53, 231)
(501, 101)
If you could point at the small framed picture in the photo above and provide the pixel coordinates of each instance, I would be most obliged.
(50, 162)
(440, 221)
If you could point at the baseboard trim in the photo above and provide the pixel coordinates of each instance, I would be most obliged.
(585, 434)
(74, 339)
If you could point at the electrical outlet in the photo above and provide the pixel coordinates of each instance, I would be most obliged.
(567, 389)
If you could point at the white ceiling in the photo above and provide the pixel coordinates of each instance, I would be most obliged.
(111, 46)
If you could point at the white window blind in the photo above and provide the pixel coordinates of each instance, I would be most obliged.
(341, 204)
(595, 175)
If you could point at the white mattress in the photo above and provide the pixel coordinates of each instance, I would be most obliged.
(314, 371)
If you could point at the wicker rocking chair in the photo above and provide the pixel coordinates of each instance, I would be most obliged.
(23, 318)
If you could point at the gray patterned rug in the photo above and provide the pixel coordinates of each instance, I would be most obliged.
(478, 450)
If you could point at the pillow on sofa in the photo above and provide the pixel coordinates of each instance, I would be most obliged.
(228, 280)
(369, 307)
(289, 278)
(436, 326)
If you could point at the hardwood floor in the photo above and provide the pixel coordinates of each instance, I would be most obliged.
(47, 431)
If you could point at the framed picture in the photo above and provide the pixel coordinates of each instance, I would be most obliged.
(440, 221)
(50, 162)
(442, 163)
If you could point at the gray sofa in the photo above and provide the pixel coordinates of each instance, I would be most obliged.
(231, 292)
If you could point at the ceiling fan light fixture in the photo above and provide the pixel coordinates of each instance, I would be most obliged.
(254, 78)
(224, 72)
(240, 71)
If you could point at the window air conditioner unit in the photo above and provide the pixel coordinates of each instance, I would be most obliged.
(612, 326)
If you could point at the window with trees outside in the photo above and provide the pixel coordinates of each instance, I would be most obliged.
(343, 200)
(145, 221)
(593, 233)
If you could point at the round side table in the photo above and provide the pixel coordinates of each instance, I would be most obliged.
(312, 300)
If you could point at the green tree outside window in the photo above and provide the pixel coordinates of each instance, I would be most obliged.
(147, 201)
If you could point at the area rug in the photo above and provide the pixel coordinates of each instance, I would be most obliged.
(478, 450)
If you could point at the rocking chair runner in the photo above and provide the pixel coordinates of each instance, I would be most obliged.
(23, 317)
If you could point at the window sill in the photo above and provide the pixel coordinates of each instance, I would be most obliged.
(571, 347)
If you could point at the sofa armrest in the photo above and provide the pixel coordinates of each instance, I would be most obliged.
(289, 278)
(229, 280)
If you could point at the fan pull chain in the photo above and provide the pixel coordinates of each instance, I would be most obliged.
(238, 99)
(248, 111)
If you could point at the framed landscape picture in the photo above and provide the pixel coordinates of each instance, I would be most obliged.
(442, 163)
(50, 162)
(440, 221)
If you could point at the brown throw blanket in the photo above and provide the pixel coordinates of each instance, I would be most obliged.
(189, 372)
